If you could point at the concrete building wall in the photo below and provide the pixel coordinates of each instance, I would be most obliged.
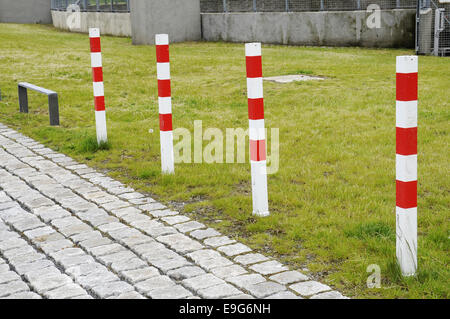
(25, 11)
(332, 28)
(110, 23)
(178, 18)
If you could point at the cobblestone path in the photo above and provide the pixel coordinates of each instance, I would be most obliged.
(67, 231)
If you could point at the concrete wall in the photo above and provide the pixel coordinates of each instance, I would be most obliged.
(25, 11)
(111, 23)
(178, 18)
(339, 28)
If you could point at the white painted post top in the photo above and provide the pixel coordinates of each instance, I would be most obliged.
(253, 49)
(94, 32)
(407, 64)
(162, 39)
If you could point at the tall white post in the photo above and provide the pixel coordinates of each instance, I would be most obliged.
(99, 91)
(406, 164)
(257, 133)
(165, 103)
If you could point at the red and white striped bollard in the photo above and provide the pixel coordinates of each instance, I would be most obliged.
(257, 134)
(99, 91)
(406, 164)
(165, 103)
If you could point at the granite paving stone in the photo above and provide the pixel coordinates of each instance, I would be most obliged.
(177, 219)
(329, 295)
(12, 288)
(185, 272)
(23, 295)
(265, 289)
(219, 291)
(173, 292)
(289, 277)
(269, 267)
(202, 281)
(284, 295)
(234, 249)
(68, 231)
(142, 274)
(244, 281)
(204, 233)
(228, 271)
(218, 241)
(309, 288)
(249, 259)
(189, 226)
(158, 282)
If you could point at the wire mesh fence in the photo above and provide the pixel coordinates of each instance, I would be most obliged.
(433, 28)
(92, 5)
(211, 6)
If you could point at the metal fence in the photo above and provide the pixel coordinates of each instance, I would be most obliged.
(211, 6)
(433, 29)
(92, 5)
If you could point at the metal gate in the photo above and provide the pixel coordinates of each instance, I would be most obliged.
(433, 27)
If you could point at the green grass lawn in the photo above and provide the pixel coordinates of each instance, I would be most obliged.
(332, 201)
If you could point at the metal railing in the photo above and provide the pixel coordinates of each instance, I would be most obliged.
(212, 6)
(92, 5)
(246, 5)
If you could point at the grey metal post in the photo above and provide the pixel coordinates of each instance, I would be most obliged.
(128, 5)
(419, 3)
(322, 5)
(23, 100)
(225, 9)
(112, 5)
(97, 2)
(398, 4)
(358, 4)
(438, 28)
(254, 5)
(287, 5)
(53, 109)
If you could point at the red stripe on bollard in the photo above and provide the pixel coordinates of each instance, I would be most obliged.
(256, 109)
(407, 86)
(99, 103)
(164, 88)
(254, 66)
(406, 141)
(95, 45)
(258, 150)
(162, 53)
(165, 122)
(406, 194)
(97, 74)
